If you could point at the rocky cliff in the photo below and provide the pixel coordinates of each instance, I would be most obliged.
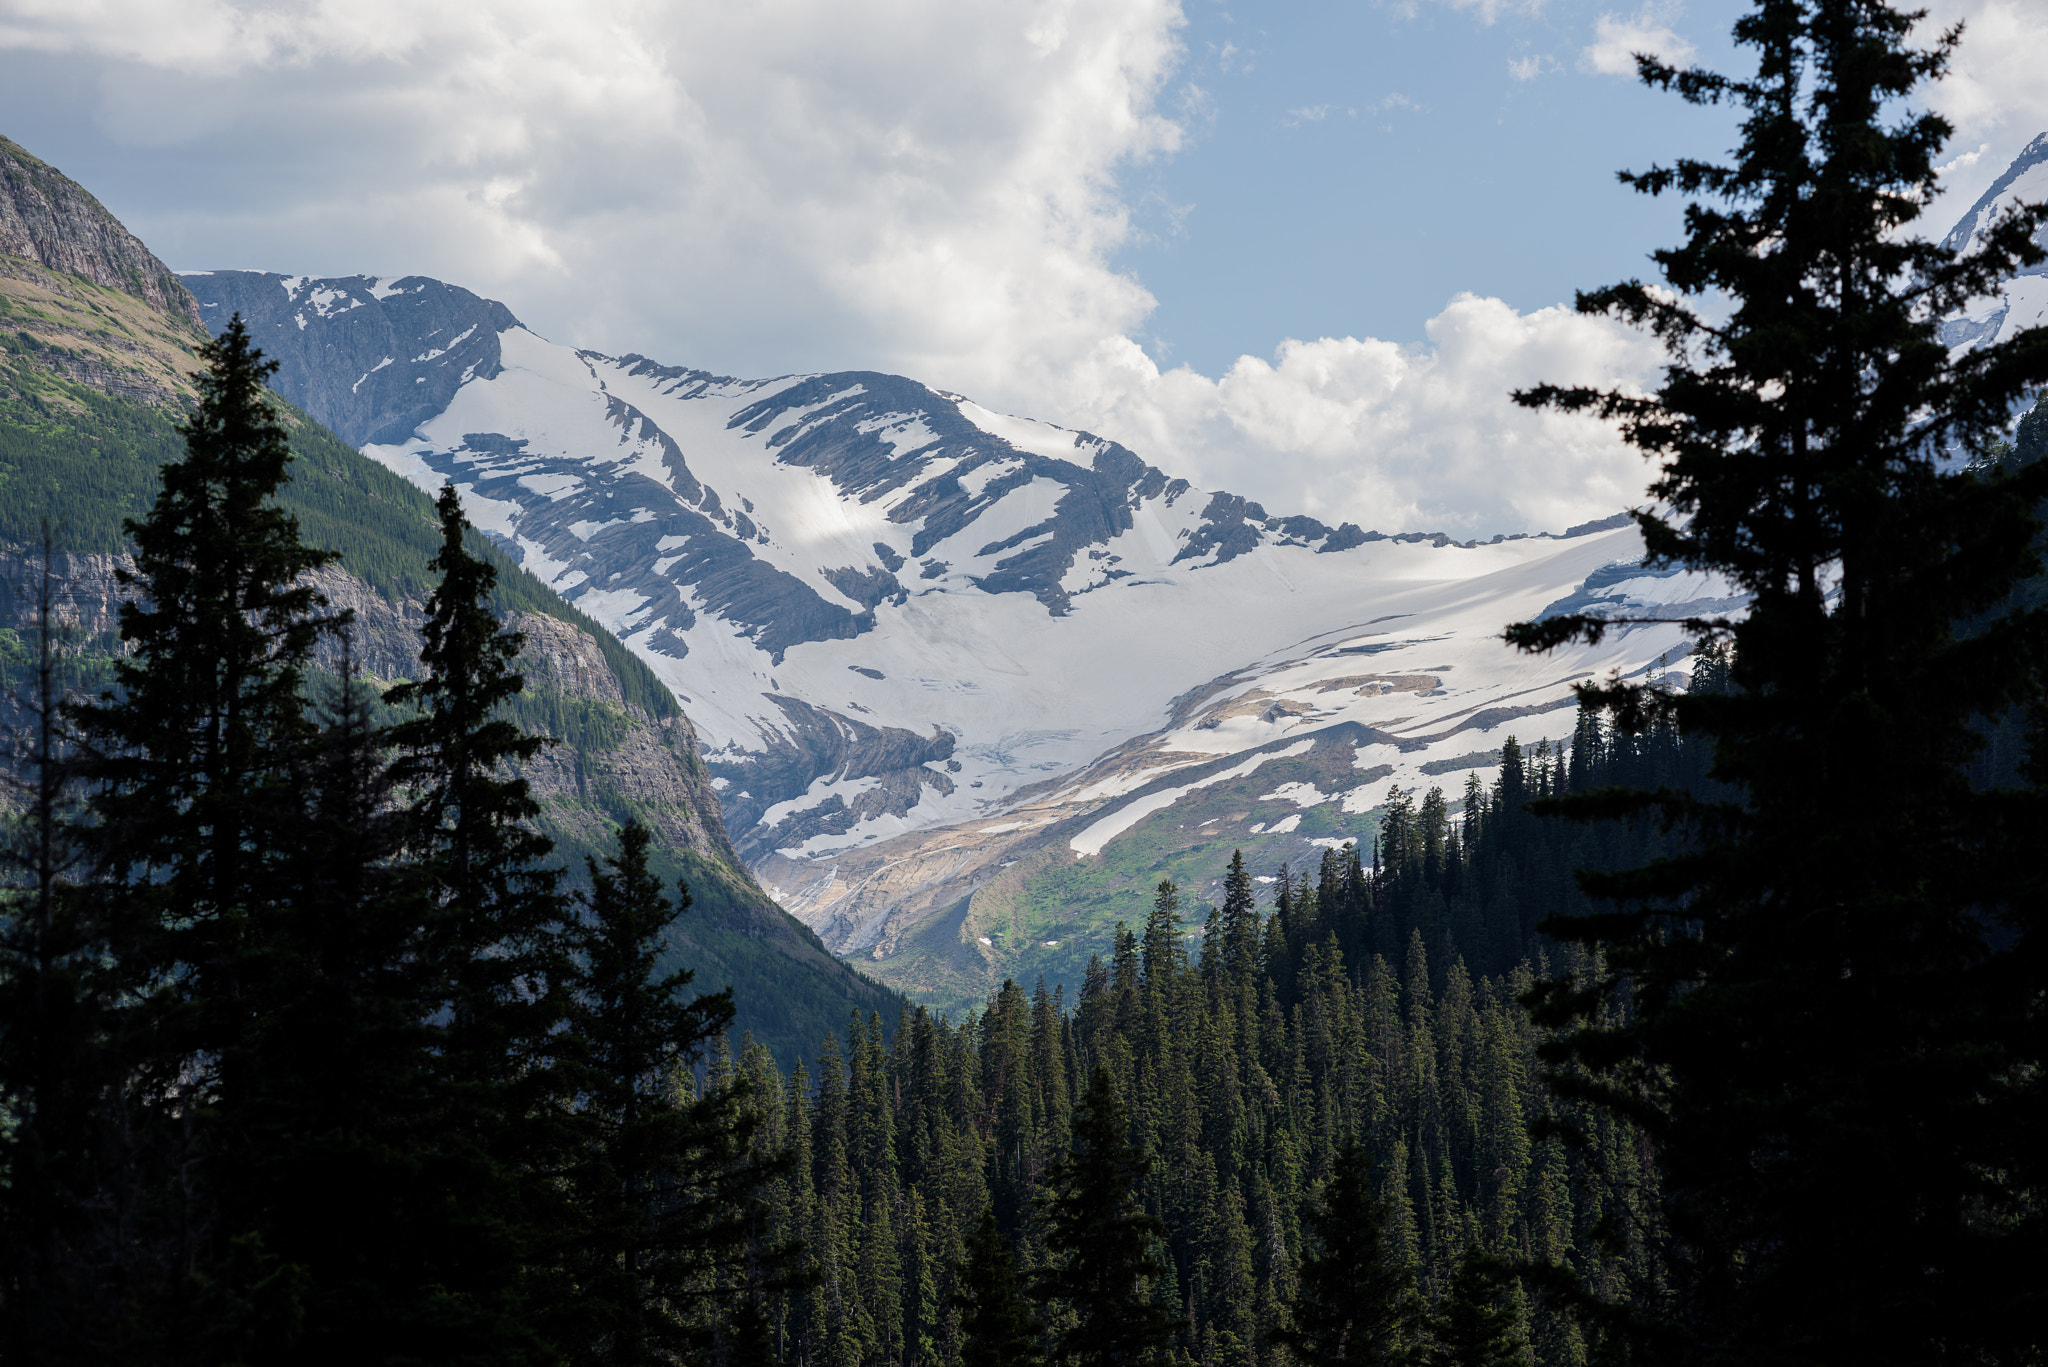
(49, 219)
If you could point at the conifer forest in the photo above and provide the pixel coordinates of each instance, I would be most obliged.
(1717, 1035)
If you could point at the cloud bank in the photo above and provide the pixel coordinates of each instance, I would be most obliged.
(915, 186)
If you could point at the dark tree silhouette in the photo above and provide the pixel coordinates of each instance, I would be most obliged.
(1833, 1031)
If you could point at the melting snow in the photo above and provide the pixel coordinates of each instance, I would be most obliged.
(1116, 823)
(368, 373)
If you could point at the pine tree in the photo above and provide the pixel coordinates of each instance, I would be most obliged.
(1355, 1300)
(1832, 1037)
(337, 1134)
(648, 1229)
(196, 822)
(1165, 946)
(59, 995)
(1239, 950)
(1099, 1241)
(494, 944)
(997, 1327)
(1475, 1324)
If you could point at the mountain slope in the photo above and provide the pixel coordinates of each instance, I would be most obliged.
(963, 678)
(2024, 301)
(91, 383)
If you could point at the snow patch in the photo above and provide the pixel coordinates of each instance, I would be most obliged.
(1091, 840)
(1300, 794)
(368, 373)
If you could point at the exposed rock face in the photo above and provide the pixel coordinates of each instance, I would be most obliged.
(652, 762)
(370, 359)
(47, 218)
(821, 745)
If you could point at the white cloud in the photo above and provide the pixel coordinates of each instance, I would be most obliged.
(784, 183)
(1396, 438)
(1311, 113)
(906, 185)
(1993, 94)
(1529, 68)
(1490, 12)
(1963, 162)
(1618, 38)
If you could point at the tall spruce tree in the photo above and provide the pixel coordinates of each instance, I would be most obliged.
(1833, 1032)
(59, 997)
(997, 1327)
(1474, 1325)
(342, 1134)
(495, 943)
(1355, 1299)
(1099, 1241)
(197, 817)
(662, 1179)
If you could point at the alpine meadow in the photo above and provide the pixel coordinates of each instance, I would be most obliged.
(517, 855)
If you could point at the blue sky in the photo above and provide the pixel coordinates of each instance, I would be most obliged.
(1354, 166)
(1300, 250)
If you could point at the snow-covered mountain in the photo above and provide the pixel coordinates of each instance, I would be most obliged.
(2024, 301)
(935, 651)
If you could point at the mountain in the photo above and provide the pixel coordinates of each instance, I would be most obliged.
(2024, 301)
(968, 683)
(94, 374)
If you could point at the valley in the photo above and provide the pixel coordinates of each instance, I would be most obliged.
(967, 683)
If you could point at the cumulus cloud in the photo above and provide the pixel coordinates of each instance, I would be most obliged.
(907, 185)
(786, 180)
(1618, 38)
(1993, 94)
(1412, 438)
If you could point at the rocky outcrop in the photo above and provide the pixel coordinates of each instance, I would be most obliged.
(652, 766)
(649, 763)
(63, 328)
(369, 359)
(49, 219)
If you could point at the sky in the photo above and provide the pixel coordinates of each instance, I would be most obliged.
(1301, 250)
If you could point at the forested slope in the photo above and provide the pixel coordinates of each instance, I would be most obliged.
(1377, 1002)
(93, 378)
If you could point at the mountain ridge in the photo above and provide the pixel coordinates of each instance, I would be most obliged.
(923, 640)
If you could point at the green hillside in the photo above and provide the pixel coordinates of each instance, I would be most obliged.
(84, 460)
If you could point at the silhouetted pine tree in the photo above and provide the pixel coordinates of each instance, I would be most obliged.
(197, 819)
(1475, 1324)
(997, 1328)
(1833, 1034)
(662, 1180)
(60, 1081)
(494, 939)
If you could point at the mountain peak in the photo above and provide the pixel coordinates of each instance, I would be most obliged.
(51, 220)
(2024, 300)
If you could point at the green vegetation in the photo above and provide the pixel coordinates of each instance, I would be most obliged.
(296, 989)
(1373, 1012)
(87, 460)
(1050, 895)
